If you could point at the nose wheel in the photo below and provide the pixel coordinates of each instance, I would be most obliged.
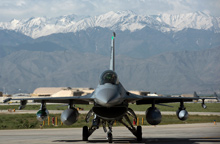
(109, 137)
(109, 133)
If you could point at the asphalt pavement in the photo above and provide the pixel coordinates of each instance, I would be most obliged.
(206, 133)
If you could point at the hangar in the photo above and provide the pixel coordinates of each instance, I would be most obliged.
(68, 91)
(60, 91)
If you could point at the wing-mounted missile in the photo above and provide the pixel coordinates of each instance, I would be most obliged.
(42, 113)
(182, 113)
(203, 104)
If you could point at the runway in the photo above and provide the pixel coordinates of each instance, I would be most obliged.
(206, 133)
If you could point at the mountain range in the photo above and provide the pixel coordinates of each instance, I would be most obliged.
(163, 53)
(121, 20)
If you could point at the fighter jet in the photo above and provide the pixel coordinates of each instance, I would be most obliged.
(110, 103)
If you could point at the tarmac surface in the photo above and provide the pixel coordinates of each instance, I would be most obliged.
(206, 133)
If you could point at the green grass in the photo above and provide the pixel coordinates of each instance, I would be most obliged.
(172, 119)
(191, 107)
(29, 121)
(37, 107)
(24, 121)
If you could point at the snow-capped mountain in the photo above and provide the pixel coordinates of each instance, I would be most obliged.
(198, 20)
(122, 20)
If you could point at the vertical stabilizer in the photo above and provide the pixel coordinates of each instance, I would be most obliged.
(112, 59)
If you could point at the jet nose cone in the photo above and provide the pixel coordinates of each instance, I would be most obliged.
(107, 96)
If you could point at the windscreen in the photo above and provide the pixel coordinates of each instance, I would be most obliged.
(108, 77)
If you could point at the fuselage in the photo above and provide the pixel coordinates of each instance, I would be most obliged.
(109, 92)
(109, 97)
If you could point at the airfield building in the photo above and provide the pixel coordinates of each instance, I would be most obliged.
(68, 91)
(61, 91)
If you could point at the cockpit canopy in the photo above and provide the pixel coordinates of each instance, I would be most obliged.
(108, 76)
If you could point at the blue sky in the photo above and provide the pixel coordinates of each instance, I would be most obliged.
(19, 9)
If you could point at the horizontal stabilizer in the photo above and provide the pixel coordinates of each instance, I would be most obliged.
(217, 97)
(195, 95)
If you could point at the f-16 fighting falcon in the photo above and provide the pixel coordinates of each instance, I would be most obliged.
(110, 103)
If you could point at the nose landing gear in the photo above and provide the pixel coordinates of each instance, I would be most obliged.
(109, 133)
(109, 137)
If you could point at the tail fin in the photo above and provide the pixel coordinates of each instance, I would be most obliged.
(112, 60)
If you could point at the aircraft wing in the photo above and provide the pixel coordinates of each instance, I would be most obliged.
(158, 99)
(74, 99)
(138, 99)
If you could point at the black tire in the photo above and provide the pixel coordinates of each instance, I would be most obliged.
(85, 133)
(139, 133)
(109, 137)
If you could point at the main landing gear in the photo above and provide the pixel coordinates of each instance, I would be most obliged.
(85, 133)
(124, 120)
(136, 132)
(95, 125)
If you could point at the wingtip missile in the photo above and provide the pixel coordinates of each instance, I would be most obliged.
(203, 100)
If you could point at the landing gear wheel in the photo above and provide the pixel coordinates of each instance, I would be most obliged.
(109, 134)
(139, 133)
(85, 133)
